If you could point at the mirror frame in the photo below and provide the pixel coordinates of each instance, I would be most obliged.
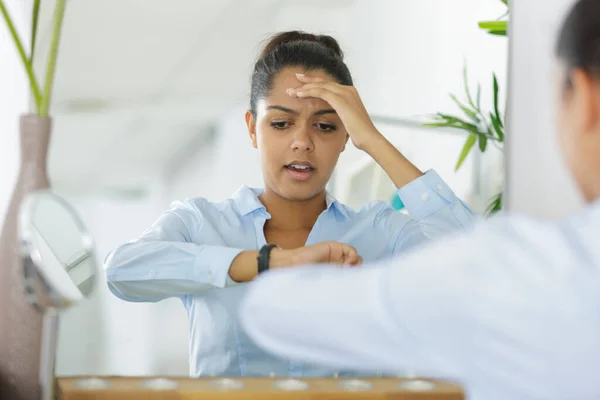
(32, 275)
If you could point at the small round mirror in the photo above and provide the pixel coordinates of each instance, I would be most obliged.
(59, 264)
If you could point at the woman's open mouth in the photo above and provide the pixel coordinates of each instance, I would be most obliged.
(300, 170)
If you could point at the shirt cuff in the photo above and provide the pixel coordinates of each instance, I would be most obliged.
(426, 195)
(212, 265)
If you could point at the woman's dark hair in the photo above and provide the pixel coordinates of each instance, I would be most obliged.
(578, 42)
(296, 49)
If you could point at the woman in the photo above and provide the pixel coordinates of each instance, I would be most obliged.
(303, 110)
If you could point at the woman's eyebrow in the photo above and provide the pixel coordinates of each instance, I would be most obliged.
(326, 111)
(290, 111)
(282, 108)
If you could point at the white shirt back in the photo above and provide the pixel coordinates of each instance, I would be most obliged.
(510, 310)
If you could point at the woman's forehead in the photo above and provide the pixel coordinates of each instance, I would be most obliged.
(278, 95)
(287, 76)
(300, 106)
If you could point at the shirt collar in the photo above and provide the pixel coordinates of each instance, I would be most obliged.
(247, 201)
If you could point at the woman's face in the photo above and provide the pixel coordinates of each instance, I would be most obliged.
(299, 140)
(579, 125)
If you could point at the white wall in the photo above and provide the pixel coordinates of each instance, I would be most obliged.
(216, 171)
(14, 92)
(539, 183)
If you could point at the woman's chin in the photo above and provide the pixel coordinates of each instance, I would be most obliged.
(299, 191)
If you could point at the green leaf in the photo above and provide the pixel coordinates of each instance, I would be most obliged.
(497, 127)
(504, 1)
(59, 13)
(437, 124)
(479, 96)
(472, 114)
(494, 25)
(482, 142)
(34, 25)
(35, 88)
(457, 122)
(496, 101)
(466, 84)
(495, 205)
(449, 118)
(470, 142)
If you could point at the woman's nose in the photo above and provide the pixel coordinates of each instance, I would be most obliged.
(302, 140)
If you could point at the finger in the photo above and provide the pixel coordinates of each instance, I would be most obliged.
(351, 256)
(321, 93)
(307, 78)
(331, 86)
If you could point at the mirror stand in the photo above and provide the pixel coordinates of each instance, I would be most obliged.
(59, 269)
(48, 355)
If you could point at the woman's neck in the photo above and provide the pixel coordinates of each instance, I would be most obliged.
(291, 215)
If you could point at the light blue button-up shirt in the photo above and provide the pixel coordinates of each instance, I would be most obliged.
(510, 309)
(187, 252)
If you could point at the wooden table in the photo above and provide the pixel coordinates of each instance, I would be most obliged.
(151, 388)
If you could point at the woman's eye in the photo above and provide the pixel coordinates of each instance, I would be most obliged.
(280, 124)
(325, 127)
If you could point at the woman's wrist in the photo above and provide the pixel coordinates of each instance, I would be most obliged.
(376, 141)
(280, 258)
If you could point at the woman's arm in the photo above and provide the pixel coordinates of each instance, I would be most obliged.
(434, 211)
(434, 208)
(167, 260)
(431, 203)
(177, 256)
(400, 170)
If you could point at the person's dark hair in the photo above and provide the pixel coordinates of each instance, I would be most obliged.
(296, 49)
(578, 44)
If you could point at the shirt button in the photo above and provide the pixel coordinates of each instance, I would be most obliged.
(439, 187)
(424, 197)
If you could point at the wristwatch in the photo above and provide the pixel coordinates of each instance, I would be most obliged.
(264, 255)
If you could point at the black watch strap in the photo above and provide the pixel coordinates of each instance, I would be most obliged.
(264, 255)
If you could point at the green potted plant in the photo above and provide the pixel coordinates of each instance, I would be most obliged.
(482, 127)
(21, 326)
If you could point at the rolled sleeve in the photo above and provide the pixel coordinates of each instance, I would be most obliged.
(426, 195)
(434, 210)
(209, 265)
(174, 257)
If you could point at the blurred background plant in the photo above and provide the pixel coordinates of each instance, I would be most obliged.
(482, 126)
(41, 95)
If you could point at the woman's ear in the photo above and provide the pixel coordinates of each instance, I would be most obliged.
(251, 125)
(584, 101)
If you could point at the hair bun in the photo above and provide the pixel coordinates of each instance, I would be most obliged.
(300, 36)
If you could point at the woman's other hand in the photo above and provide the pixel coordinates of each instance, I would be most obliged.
(347, 103)
(326, 252)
